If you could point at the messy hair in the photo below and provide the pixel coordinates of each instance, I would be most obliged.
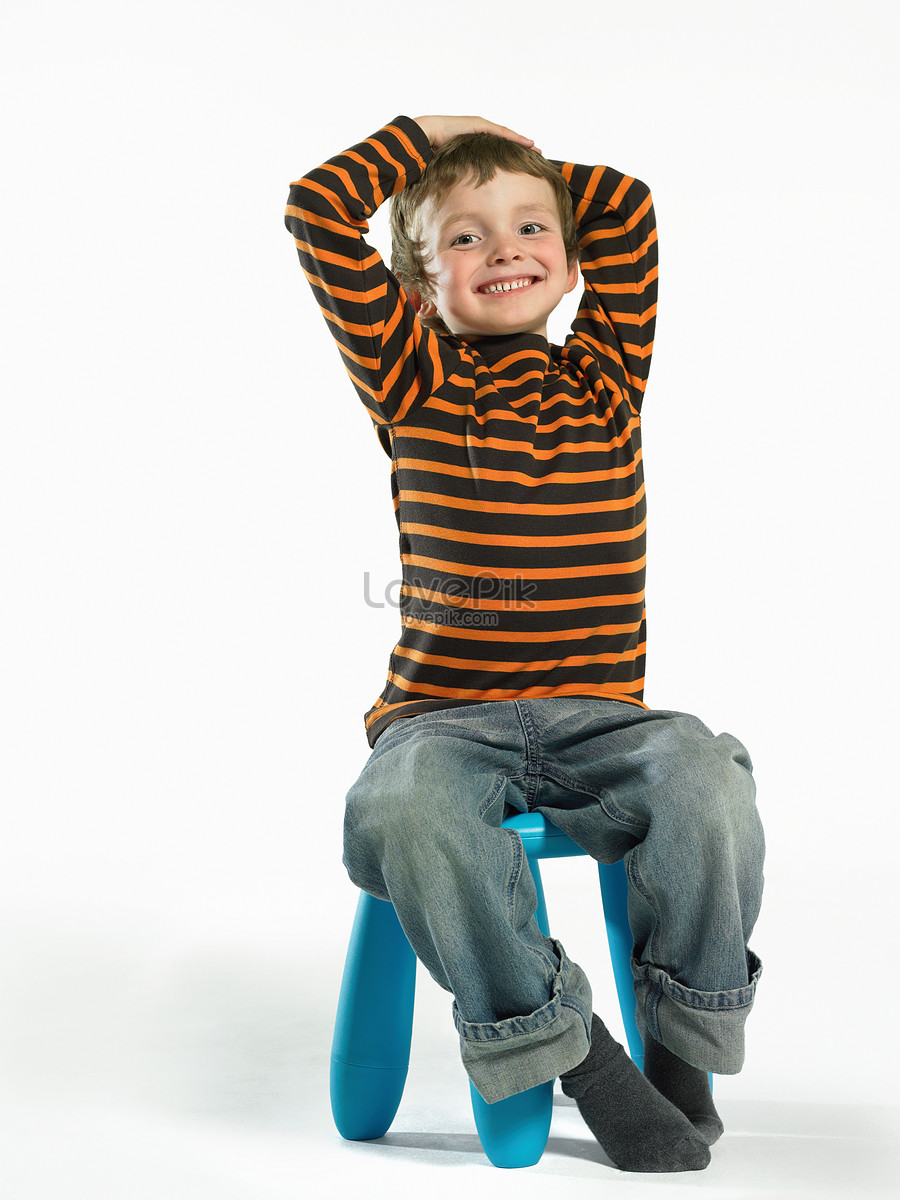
(475, 157)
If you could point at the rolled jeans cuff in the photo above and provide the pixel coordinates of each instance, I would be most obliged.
(706, 1029)
(505, 1057)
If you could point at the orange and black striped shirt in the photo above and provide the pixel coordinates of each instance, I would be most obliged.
(515, 464)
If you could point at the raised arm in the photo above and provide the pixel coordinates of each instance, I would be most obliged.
(618, 255)
(392, 359)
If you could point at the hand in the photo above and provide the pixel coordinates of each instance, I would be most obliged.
(439, 129)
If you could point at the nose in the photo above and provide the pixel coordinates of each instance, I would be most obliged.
(504, 249)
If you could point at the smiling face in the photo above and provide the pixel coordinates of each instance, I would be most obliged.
(496, 256)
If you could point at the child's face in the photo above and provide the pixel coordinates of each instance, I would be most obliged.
(507, 231)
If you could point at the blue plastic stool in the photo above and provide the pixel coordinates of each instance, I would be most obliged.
(373, 1029)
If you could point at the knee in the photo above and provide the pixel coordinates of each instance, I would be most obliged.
(386, 814)
(711, 785)
(725, 800)
(390, 812)
(732, 778)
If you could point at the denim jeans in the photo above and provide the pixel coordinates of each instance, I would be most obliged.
(422, 829)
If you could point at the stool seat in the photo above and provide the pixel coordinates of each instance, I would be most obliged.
(373, 1027)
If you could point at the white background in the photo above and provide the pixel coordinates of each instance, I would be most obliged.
(192, 493)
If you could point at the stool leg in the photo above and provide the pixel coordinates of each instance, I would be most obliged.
(540, 914)
(373, 1028)
(614, 889)
(514, 1132)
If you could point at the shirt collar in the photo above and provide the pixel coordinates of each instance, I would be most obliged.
(493, 347)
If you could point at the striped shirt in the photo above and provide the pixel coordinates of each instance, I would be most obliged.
(515, 464)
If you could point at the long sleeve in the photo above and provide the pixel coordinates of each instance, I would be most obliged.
(618, 256)
(516, 466)
(392, 359)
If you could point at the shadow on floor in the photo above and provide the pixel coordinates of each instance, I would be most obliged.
(769, 1148)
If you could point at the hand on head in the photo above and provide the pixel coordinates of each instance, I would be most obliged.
(440, 129)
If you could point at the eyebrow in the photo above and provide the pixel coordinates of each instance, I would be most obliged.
(538, 206)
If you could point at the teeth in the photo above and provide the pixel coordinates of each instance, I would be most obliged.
(508, 286)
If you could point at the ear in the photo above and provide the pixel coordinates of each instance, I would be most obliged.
(573, 278)
(424, 308)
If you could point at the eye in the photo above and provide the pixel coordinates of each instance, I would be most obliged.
(458, 240)
(530, 227)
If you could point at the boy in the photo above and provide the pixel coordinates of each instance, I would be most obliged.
(517, 681)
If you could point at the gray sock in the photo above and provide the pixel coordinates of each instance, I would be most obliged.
(684, 1086)
(637, 1127)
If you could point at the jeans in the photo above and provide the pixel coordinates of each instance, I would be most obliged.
(655, 788)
